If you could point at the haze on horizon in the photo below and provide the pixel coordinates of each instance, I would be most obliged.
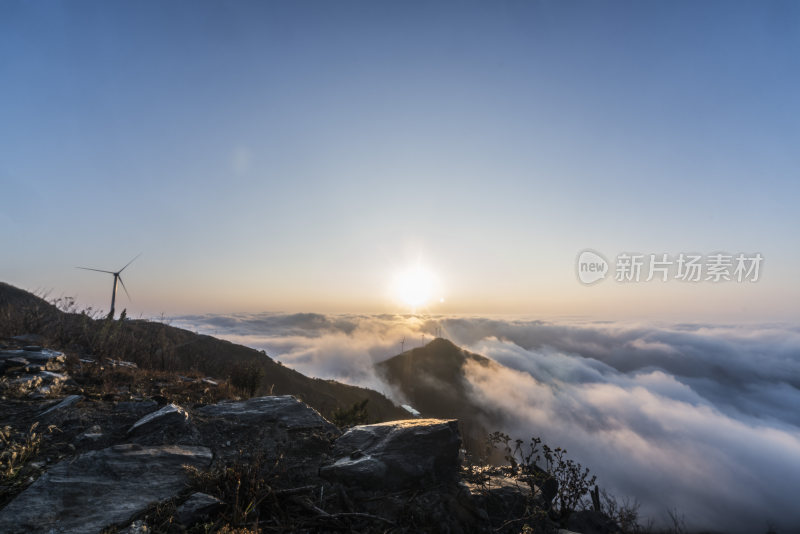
(297, 156)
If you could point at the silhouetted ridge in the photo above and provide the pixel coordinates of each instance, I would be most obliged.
(155, 345)
(432, 379)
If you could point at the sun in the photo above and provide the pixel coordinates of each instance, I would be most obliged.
(414, 286)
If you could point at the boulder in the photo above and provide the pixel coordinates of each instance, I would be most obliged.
(501, 497)
(171, 414)
(101, 488)
(282, 410)
(276, 427)
(169, 424)
(397, 454)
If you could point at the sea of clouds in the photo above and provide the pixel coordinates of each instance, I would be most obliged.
(699, 418)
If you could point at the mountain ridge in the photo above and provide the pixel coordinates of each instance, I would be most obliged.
(432, 378)
(156, 345)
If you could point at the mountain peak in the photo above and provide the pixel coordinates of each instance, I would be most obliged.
(432, 378)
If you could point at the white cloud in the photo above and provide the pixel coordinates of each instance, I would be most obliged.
(703, 418)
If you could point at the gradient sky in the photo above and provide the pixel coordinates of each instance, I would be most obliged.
(295, 155)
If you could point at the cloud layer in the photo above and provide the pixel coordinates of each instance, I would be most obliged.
(700, 418)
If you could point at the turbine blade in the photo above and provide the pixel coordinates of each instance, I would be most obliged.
(98, 270)
(126, 265)
(123, 287)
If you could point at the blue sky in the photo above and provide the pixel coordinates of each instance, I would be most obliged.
(294, 155)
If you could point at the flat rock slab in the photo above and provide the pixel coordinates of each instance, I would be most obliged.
(280, 409)
(277, 428)
(396, 454)
(101, 488)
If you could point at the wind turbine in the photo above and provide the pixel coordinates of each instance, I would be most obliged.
(117, 278)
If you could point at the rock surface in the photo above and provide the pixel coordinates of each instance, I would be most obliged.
(284, 410)
(169, 424)
(66, 403)
(32, 371)
(101, 488)
(50, 360)
(275, 427)
(171, 414)
(196, 507)
(396, 454)
(501, 496)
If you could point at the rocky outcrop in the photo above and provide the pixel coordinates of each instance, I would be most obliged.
(32, 371)
(101, 488)
(104, 464)
(49, 360)
(284, 411)
(501, 496)
(276, 427)
(169, 415)
(398, 454)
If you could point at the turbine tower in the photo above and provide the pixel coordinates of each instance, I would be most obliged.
(117, 278)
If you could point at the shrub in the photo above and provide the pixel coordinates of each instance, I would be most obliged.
(573, 480)
(247, 377)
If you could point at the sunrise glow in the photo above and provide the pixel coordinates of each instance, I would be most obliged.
(414, 287)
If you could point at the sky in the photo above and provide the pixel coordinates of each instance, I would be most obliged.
(321, 179)
(699, 419)
(305, 156)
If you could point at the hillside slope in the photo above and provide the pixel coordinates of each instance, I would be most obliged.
(156, 345)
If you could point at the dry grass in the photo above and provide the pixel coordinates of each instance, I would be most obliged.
(246, 486)
(17, 449)
(107, 381)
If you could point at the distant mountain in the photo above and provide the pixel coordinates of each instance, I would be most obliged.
(432, 379)
(157, 345)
